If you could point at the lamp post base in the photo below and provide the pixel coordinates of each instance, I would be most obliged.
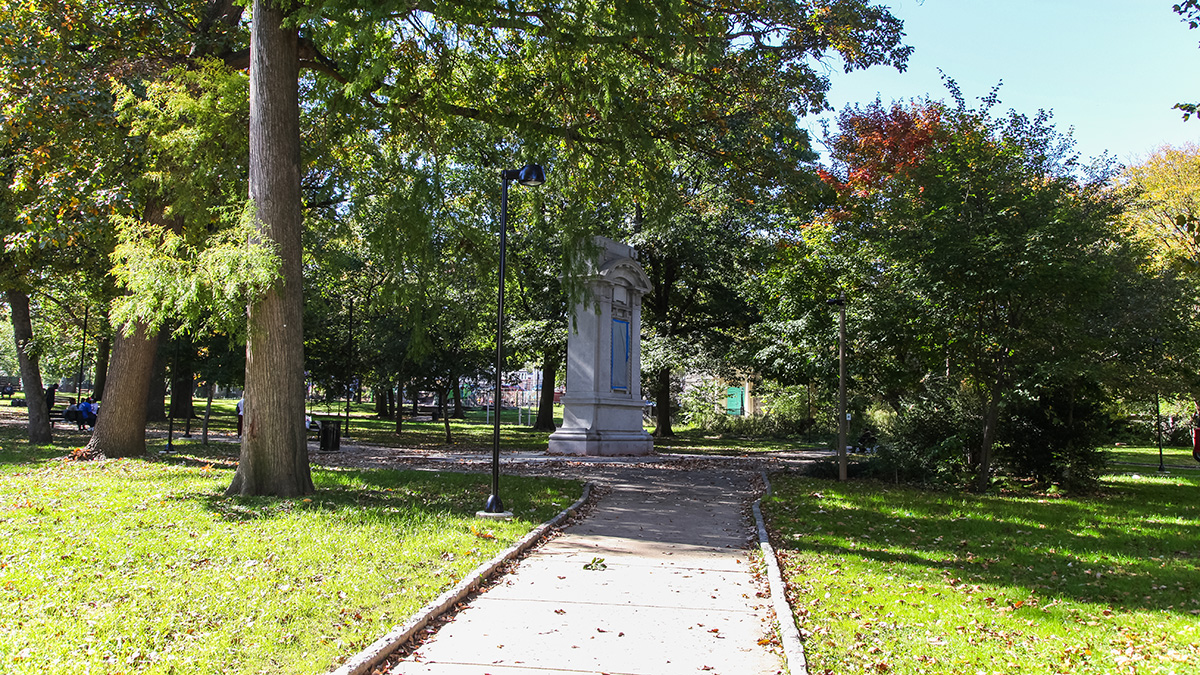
(494, 509)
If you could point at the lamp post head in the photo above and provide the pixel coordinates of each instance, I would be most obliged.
(531, 175)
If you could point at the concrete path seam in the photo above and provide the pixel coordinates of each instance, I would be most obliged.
(379, 650)
(789, 635)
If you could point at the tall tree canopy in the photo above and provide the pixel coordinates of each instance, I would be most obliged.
(977, 256)
(600, 83)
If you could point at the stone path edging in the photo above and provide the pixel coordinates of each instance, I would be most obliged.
(793, 648)
(379, 650)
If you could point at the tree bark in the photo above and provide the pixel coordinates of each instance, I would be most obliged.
(545, 416)
(103, 349)
(399, 407)
(381, 407)
(40, 432)
(414, 392)
(207, 412)
(458, 406)
(274, 453)
(121, 425)
(991, 417)
(662, 404)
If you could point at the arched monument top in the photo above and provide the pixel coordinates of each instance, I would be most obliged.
(626, 272)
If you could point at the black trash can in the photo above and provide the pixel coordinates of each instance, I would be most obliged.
(331, 436)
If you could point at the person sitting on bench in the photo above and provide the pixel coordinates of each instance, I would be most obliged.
(87, 413)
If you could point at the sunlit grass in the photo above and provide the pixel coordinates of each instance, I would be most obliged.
(142, 566)
(1147, 456)
(891, 579)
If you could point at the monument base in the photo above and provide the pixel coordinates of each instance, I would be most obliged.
(600, 443)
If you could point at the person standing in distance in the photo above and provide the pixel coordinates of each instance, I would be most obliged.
(241, 408)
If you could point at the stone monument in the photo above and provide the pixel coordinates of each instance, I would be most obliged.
(602, 407)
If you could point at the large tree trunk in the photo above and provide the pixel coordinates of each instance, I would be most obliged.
(545, 416)
(31, 375)
(102, 354)
(121, 425)
(274, 453)
(662, 404)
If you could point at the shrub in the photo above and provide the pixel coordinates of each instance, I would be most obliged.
(927, 441)
(1054, 436)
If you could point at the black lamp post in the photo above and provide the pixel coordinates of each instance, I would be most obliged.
(840, 302)
(530, 175)
(1162, 468)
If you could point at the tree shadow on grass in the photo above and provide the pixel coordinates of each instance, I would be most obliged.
(1138, 546)
(389, 494)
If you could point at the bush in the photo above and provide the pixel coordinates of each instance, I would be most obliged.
(927, 441)
(704, 407)
(698, 406)
(1054, 436)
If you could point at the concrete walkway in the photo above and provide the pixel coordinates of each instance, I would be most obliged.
(674, 592)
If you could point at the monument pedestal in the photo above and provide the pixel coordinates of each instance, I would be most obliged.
(602, 407)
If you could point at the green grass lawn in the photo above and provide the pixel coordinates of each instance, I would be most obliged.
(141, 566)
(888, 579)
(1173, 458)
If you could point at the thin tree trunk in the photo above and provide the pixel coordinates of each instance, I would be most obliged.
(40, 432)
(103, 350)
(991, 417)
(442, 406)
(662, 404)
(399, 409)
(545, 416)
(458, 406)
(274, 453)
(415, 393)
(121, 424)
(207, 411)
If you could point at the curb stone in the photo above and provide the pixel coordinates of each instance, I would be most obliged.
(793, 648)
(379, 650)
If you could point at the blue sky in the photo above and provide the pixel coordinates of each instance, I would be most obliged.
(1111, 69)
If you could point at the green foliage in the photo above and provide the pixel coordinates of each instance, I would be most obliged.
(927, 441)
(190, 128)
(169, 280)
(981, 261)
(1054, 436)
(1165, 193)
(785, 412)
